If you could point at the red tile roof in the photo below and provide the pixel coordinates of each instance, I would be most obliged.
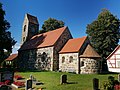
(90, 52)
(43, 40)
(73, 45)
(32, 19)
(12, 57)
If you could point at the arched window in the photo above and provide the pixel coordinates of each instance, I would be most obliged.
(43, 57)
(23, 39)
(70, 59)
(63, 59)
(82, 63)
(24, 28)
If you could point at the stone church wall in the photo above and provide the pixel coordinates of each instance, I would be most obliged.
(26, 59)
(89, 65)
(44, 59)
(58, 46)
(40, 59)
(69, 62)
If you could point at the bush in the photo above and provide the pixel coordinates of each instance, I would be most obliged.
(110, 84)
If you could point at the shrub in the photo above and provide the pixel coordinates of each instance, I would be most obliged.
(110, 84)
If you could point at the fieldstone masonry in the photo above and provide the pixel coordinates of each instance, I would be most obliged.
(67, 65)
(89, 65)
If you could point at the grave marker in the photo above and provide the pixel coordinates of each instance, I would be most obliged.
(29, 84)
(6, 75)
(63, 79)
(119, 77)
(95, 84)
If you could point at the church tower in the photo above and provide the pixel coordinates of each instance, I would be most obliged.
(30, 27)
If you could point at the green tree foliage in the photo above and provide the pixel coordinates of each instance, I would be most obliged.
(6, 41)
(104, 33)
(51, 24)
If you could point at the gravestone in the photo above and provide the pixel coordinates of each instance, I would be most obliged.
(63, 79)
(28, 84)
(6, 74)
(95, 84)
(119, 77)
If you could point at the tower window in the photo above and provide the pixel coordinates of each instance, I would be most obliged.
(24, 28)
(23, 39)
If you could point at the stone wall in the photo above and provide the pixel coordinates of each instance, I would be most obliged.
(40, 59)
(90, 65)
(28, 30)
(69, 62)
(44, 59)
(26, 59)
(59, 45)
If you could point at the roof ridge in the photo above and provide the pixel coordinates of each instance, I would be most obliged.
(49, 31)
(31, 15)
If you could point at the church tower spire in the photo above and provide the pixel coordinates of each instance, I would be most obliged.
(30, 27)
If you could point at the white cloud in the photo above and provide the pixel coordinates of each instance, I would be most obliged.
(15, 48)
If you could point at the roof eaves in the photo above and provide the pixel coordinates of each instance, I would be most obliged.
(113, 51)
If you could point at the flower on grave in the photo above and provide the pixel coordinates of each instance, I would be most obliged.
(17, 83)
(18, 77)
(2, 83)
(7, 82)
(117, 87)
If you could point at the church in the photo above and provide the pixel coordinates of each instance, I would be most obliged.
(55, 50)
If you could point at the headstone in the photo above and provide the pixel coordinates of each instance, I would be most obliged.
(6, 75)
(29, 84)
(119, 77)
(31, 77)
(95, 84)
(63, 79)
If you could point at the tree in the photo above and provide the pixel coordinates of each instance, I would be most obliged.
(51, 24)
(104, 33)
(6, 41)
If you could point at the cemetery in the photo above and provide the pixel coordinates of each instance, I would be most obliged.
(47, 80)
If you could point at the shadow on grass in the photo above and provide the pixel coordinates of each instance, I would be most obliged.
(32, 71)
(72, 82)
(105, 73)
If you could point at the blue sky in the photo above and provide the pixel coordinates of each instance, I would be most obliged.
(75, 13)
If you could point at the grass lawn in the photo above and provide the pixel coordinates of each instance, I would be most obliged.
(51, 80)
